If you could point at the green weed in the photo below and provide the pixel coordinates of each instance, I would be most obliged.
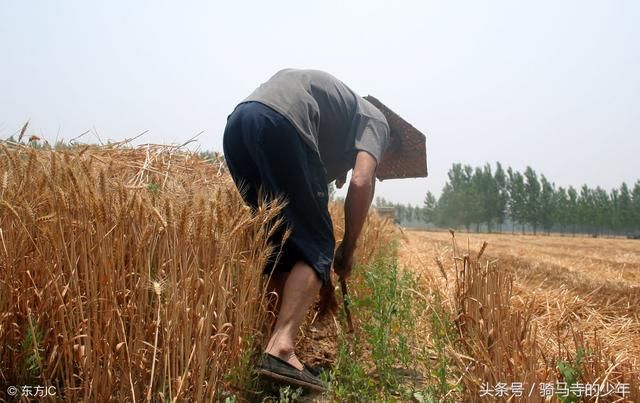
(289, 395)
(32, 349)
(380, 362)
(571, 373)
(350, 377)
(153, 188)
(442, 334)
(243, 377)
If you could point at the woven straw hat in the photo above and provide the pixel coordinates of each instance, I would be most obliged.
(406, 156)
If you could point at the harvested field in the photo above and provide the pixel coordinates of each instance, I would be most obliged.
(572, 293)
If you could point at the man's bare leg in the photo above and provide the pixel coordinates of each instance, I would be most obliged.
(300, 290)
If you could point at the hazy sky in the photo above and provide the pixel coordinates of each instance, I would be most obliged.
(551, 84)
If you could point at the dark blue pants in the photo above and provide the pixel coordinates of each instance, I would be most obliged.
(265, 153)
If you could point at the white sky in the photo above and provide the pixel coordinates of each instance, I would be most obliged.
(551, 84)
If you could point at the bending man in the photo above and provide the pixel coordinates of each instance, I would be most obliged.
(297, 132)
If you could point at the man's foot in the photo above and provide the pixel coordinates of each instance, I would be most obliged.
(287, 355)
(280, 370)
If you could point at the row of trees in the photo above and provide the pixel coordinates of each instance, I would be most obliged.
(490, 198)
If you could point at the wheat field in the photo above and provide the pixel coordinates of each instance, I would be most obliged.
(128, 274)
(133, 274)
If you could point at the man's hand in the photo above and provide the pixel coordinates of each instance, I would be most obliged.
(343, 262)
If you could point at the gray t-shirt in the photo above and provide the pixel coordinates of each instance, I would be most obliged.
(332, 119)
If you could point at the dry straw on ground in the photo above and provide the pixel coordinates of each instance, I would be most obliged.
(528, 307)
(127, 274)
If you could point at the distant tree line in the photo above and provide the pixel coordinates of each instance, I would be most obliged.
(485, 198)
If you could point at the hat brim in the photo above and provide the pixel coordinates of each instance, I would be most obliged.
(408, 159)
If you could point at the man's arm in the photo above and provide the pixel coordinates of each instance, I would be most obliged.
(356, 208)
